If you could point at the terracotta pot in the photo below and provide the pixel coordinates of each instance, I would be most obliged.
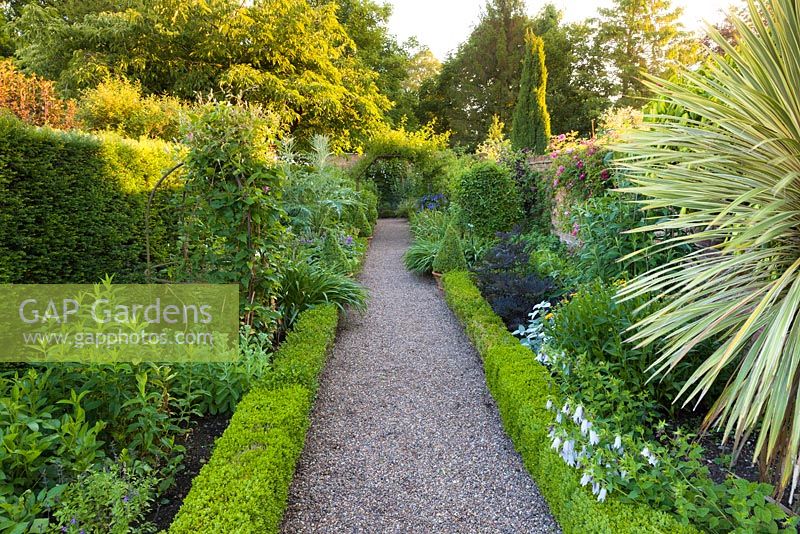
(438, 278)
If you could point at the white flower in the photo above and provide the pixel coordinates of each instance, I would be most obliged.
(565, 409)
(568, 453)
(552, 432)
(558, 417)
(549, 404)
(652, 460)
(585, 479)
(618, 443)
(595, 488)
(594, 439)
(623, 474)
(602, 496)
(578, 417)
(557, 443)
(585, 426)
(646, 452)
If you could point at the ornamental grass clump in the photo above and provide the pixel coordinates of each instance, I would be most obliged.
(451, 254)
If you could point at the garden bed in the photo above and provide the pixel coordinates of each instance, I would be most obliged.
(520, 387)
(199, 444)
(244, 486)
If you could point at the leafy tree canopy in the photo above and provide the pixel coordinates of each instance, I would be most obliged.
(294, 58)
(482, 78)
(643, 36)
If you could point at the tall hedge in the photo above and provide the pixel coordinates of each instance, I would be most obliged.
(72, 206)
(531, 126)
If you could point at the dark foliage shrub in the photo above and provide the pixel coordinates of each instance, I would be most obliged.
(72, 207)
(488, 199)
(508, 283)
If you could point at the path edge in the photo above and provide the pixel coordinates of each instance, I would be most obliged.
(520, 387)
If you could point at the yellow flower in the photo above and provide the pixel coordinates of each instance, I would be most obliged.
(549, 316)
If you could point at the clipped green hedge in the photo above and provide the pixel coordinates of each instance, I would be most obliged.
(245, 485)
(519, 385)
(72, 206)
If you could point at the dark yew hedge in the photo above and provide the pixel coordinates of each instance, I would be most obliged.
(72, 205)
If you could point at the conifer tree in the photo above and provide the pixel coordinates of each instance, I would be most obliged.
(531, 126)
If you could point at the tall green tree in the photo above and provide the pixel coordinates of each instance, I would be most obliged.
(643, 37)
(482, 78)
(578, 85)
(295, 59)
(531, 127)
(367, 24)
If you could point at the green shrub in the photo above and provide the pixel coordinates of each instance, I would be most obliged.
(451, 255)
(371, 200)
(245, 485)
(333, 255)
(488, 199)
(233, 230)
(118, 105)
(361, 222)
(72, 207)
(107, 500)
(605, 372)
(520, 386)
(603, 225)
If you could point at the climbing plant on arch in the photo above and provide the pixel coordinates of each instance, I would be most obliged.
(405, 165)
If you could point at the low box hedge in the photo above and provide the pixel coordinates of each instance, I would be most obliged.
(245, 485)
(519, 385)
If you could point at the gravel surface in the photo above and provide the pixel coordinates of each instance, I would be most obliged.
(405, 436)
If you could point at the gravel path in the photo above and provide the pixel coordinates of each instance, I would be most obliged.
(405, 436)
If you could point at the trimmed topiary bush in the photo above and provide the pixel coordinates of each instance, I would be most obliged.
(451, 254)
(333, 255)
(362, 223)
(371, 200)
(488, 199)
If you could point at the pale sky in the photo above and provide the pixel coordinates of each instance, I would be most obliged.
(443, 24)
